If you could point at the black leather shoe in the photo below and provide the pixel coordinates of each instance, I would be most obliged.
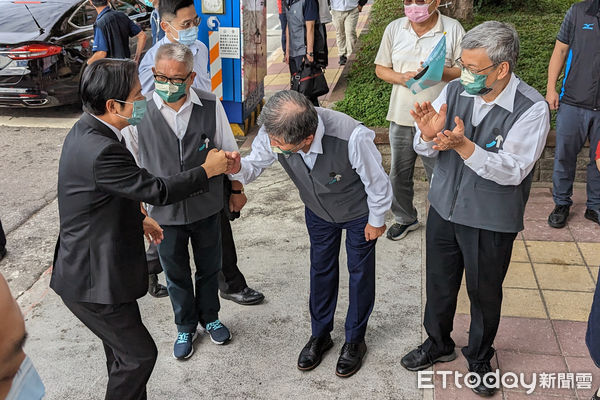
(592, 215)
(156, 289)
(2, 252)
(419, 359)
(246, 297)
(558, 216)
(312, 353)
(350, 359)
(486, 388)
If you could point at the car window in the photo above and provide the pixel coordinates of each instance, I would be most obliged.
(129, 7)
(84, 16)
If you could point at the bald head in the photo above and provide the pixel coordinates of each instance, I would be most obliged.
(289, 116)
(12, 338)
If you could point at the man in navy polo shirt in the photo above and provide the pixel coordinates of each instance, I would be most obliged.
(578, 118)
(112, 31)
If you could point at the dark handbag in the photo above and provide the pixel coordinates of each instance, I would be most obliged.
(310, 81)
(226, 195)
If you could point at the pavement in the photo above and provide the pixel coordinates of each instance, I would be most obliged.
(547, 296)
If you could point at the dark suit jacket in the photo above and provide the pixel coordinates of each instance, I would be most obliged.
(100, 254)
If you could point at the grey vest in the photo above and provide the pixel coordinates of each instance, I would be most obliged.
(163, 154)
(296, 25)
(332, 190)
(461, 196)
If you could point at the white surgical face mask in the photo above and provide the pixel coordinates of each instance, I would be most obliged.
(27, 384)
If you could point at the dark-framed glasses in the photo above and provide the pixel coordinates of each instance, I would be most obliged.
(165, 79)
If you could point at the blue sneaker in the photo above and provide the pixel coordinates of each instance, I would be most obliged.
(184, 345)
(219, 334)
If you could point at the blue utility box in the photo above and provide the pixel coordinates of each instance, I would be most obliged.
(235, 33)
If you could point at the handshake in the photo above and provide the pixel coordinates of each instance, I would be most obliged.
(221, 162)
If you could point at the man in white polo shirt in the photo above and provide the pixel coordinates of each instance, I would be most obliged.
(406, 43)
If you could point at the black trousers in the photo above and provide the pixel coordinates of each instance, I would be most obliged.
(295, 64)
(231, 279)
(2, 237)
(130, 350)
(194, 301)
(484, 255)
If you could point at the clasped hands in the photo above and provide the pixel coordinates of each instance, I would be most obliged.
(431, 124)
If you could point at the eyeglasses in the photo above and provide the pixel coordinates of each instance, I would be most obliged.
(419, 2)
(460, 64)
(175, 81)
(188, 24)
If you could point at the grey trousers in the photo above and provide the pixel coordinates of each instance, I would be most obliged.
(402, 172)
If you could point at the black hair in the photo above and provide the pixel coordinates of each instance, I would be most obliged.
(168, 8)
(104, 79)
(99, 3)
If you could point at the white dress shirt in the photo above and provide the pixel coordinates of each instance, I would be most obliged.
(522, 146)
(178, 122)
(200, 52)
(363, 156)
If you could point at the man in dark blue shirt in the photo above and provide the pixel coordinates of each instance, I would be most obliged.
(112, 31)
(301, 16)
(578, 118)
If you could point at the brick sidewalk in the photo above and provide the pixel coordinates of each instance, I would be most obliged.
(547, 297)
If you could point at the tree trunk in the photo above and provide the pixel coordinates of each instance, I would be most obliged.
(459, 9)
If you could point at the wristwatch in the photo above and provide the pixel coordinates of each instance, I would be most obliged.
(311, 54)
(233, 191)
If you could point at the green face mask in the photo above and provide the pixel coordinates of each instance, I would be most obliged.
(139, 109)
(286, 153)
(169, 92)
(474, 84)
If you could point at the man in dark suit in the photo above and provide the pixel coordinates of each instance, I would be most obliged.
(99, 264)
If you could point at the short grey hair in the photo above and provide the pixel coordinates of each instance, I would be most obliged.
(289, 116)
(176, 52)
(499, 39)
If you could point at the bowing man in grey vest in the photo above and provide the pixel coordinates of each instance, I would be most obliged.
(181, 127)
(333, 161)
(486, 131)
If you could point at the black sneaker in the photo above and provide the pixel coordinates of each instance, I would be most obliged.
(592, 215)
(343, 60)
(398, 231)
(419, 359)
(486, 385)
(2, 252)
(558, 216)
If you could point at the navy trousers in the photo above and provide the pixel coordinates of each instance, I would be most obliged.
(325, 240)
(199, 304)
(573, 126)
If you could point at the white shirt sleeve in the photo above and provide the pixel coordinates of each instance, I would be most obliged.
(366, 161)
(260, 158)
(522, 147)
(422, 147)
(224, 138)
(130, 134)
(145, 71)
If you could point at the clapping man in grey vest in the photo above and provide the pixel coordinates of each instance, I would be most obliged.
(333, 161)
(181, 127)
(486, 132)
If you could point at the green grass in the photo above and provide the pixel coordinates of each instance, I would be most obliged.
(538, 22)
